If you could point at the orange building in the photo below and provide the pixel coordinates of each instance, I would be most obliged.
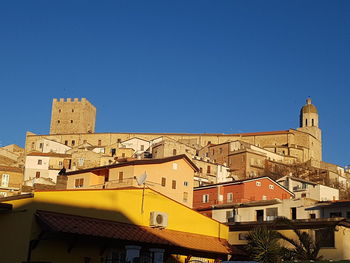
(244, 191)
(171, 176)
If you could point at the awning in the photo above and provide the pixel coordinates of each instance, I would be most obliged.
(100, 228)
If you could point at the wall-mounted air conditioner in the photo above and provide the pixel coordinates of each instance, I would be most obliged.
(158, 219)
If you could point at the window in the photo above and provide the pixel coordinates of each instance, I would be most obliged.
(123, 155)
(40, 162)
(229, 197)
(79, 182)
(312, 216)
(163, 181)
(142, 147)
(185, 183)
(80, 161)
(303, 195)
(306, 122)
(121, 177)
(335, 214)
(37, 175)
(119, 140)
(113, 151)
(59, 110)
(208, 169)
(258, 183)
(173, 184)
(313, 123)
(99, 142)
(73, 142)
(33, 145)
(175, 166)
(58, 121)
(271, 186)
(243, 236)
(71, 121)
(41, 145)
(65, 142)
(205, 198)
(5, 180)
(72, 110)
(200, 169)
(185, 197)
(347, 214)
(174, 151)
(60, 164)
(325, 237)
(271, 213)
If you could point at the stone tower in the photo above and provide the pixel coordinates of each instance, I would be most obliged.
(72, 116)
(309, 124)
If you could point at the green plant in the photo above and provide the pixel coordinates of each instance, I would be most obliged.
(263, 245)
(304, 247)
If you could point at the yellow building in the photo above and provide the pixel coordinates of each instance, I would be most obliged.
(106, 226)
(171, 176)
(333, 233)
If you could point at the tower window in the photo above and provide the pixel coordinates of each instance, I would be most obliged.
(72, 110)
(59, 110)
(58, 121)
(71, 121)
(73, 142)
(306, 122)
(313, 123)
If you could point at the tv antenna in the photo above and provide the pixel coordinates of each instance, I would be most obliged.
(141, 180)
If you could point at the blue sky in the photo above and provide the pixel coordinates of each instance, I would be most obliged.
(178, 66)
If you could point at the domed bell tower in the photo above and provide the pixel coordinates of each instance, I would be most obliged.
(309, 124)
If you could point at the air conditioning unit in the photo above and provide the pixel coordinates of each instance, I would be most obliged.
(158, 219)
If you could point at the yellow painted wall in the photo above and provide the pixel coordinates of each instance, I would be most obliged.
(341, 250)
(123, 205)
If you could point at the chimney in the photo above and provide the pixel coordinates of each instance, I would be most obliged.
(61, 183)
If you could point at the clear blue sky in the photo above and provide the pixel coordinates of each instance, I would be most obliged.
(178, 66)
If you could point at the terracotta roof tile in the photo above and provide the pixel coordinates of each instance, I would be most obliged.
(87, 226)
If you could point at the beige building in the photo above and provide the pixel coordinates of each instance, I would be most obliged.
(72, 116)
(45, 165)
(11, 179)
(171, 176)
(167, 146)
(12, 155)
(334, 234)
(210, 172)
(306, 189)
(303, 143)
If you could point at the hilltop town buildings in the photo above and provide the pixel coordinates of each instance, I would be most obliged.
(236, 179)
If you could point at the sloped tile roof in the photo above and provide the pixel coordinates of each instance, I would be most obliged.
(87, 226)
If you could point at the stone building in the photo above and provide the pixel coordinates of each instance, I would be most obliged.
(72, 116)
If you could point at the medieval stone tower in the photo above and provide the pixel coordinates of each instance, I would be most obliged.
(309, 124)
(72, 116)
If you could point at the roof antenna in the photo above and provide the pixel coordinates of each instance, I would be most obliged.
(141, 180)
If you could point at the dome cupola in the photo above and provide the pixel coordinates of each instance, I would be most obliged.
(308, 115)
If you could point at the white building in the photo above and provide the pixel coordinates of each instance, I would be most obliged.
(47, 146)
(306, 189)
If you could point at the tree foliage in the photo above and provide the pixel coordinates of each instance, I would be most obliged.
(263, 245)
(304, 247)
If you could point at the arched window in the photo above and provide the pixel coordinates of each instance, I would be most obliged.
(305, 122)
(312, 121)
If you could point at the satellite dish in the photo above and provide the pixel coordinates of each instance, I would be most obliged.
(141, 179)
